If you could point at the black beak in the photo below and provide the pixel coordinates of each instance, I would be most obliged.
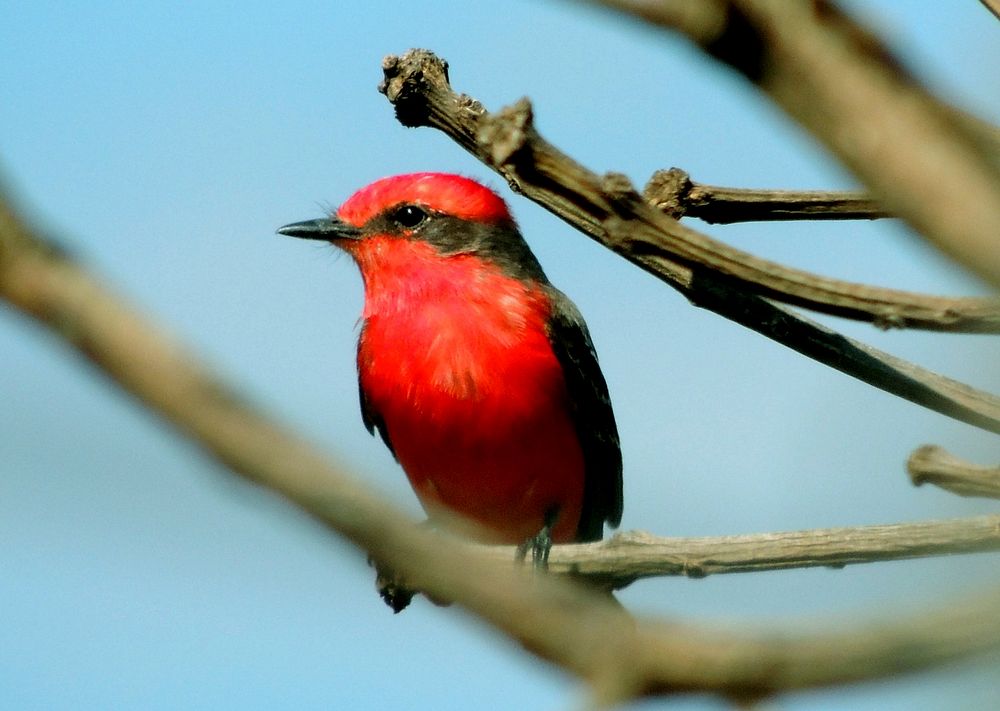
(324, 229)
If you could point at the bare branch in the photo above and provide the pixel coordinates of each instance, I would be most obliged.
(609, 211)
(933, 465)
(626, 557)
(620, 657)
(674, 193)
(629, 556)
(933, 166)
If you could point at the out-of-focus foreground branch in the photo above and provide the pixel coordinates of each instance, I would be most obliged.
(932, 165)
(993, 6)
(620, 657)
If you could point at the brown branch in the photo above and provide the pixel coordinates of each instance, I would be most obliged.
(609, 211)
(933, 465)
(417, 85)
(675, 194)
(618, 656)
(933, 166)
(627, 557)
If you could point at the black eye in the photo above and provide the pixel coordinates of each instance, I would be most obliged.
(409, 216)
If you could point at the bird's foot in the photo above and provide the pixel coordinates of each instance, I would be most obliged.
(391, 587)
(540, 544)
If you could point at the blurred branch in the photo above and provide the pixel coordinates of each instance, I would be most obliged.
(932, 165)
(993, 6)
(674, 193)
(610, 211)
(620, 657)
(933, 465)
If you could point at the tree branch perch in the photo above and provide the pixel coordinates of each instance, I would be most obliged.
(630, 556)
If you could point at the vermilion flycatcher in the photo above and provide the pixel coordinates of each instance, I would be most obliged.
(479, 375)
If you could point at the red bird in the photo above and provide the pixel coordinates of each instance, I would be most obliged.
(479, 375)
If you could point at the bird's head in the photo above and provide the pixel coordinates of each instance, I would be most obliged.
(424, 214)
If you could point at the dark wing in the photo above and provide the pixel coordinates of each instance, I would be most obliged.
(592, 414)
(373, 421)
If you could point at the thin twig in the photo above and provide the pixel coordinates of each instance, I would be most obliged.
(930, 164)
(934, 465)
(620, 657)
(674, 193)
(609, 211)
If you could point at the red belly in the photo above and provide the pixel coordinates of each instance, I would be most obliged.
(505, 475)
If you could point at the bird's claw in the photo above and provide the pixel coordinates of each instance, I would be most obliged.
(391, 587)
(540, 544)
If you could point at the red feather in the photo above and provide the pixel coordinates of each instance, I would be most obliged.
(455, 358)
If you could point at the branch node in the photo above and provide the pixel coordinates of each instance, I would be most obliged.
(694, 570)
(621, 194)
(668, 191)
(504, 135)
(470, 106)
(407, 81)
(888, 320)
(630, 538)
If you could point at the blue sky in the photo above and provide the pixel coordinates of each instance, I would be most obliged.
(164, 143)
